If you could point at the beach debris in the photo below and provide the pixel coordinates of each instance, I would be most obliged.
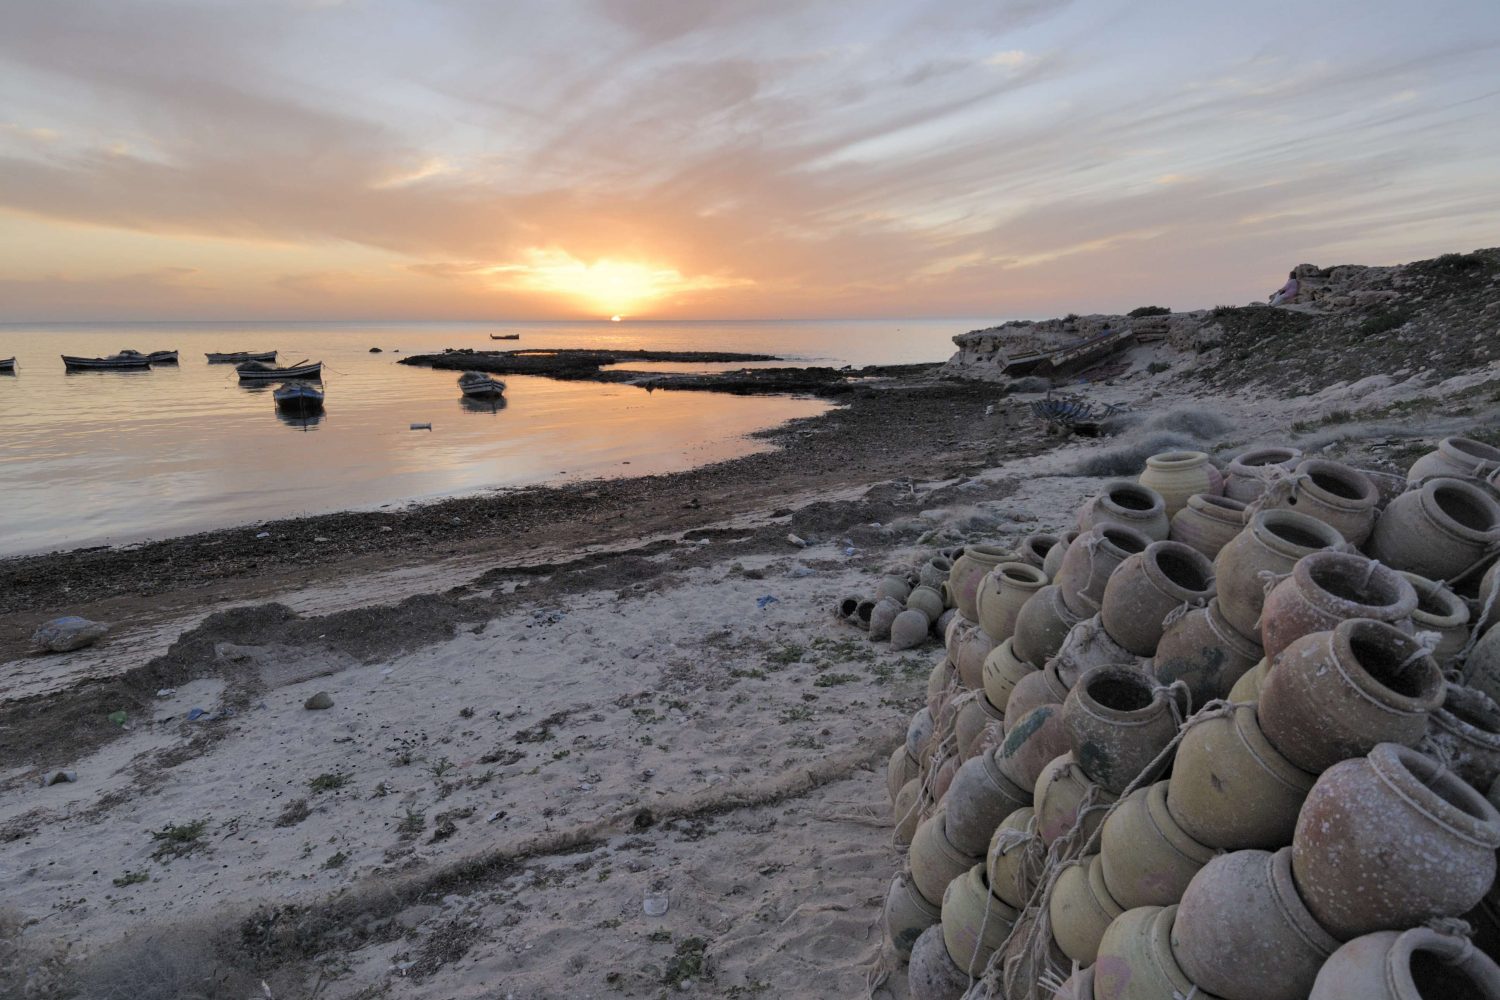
(386, 527)
(421, 427)
(262, 534)
(692, 504)
(194, 714)
(118, 718)
(800, 572)
(59, 778)
(320, 539)
(166, 692)
(766, 601)
(61, 635)
(319, 701)
(796, 540)
(656, 903)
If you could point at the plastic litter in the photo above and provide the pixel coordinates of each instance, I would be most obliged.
(194, 714)
(166, 692)
(655, 903)
(59, 778)
(118, 718)
(796, 540)
(763, 602)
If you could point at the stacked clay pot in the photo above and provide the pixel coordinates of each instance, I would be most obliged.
(1332, 492)
(1326, 588)
(1178, 475)
(974, 920)
(968, 570)
(1135, 960)
(1081, 910)
(1208, 523)
(1042, 625)
(1464, 732)
(1089, 561)
(1002, 593)
(1147, 858)
(1250, 472)
(1205, 652)
(1118, 721)
(1456, 456)
(1131, 504)
(1442, 611)
(1440, 530)
(1034, 548)
(1150, 586)
(1001, 673)
(1272, 542)
(1007, 865)
(1415, 964)
(1053, 562)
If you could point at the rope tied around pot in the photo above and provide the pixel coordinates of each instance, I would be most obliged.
(1474, 632)
(1427, 644)
(1053, 983)
(1182, 611)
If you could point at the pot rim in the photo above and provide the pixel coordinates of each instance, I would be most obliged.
(1273, 455)
(1289, 901)
(1035, 539)
(1115, 487)
(1343, 608)
(1477, 453)
(1159, 951)
(1446, 523)
(1019, 575)
(1247, 727)
(1219, 508)
(982, 552)
(1459, 726)
(1433, 591)
(1242, 645)
(1369, 494)
(1172, 834)
(1123, 718)
(1262, 524)
(1172, 461)
(1367, 684)
(1106, 902)
(1398, 767)
(1455, 952)
(909, 886)
(1168, 587)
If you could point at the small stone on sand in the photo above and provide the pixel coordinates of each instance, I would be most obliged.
(319, 700)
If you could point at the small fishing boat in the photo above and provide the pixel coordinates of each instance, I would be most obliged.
(155, 357)
(505, 336)
(7, 366)
(256, 371)
(478, 385)
(113, 363)
(239, 357)
(298, 397)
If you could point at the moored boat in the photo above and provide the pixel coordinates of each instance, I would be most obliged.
(7, 366)
(298, 397)
(477, 385)
(505, 336)
(256, 371)
(239, 357)
(155, 357)
(115, 362)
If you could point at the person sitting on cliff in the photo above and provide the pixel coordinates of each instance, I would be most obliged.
(1287, 292)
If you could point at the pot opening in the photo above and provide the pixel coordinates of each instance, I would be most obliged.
(940, 564)
(1027, 575)
(1435, 976)
(1295, 535)
(1475, 449)
(1443, 783)
(1463, 508)
(847, 606)
(1430, 601)
(1266, 456)
(1123, 694)
(1227, 503)
(1182, 571)
(1129, 542)
(1385, 660)
(1131, 498)
(1176, 456)
(1344, 582)
(1339, 484)
(1041, 544)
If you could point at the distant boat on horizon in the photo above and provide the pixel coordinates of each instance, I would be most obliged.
(505, 336)
(7, 366)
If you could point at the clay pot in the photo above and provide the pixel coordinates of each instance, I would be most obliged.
(939, 678)
(1482, 671)
(1149, 586)
(1006, 864)
(1248, 473)
(958, 627)
(968, 570)
(975, 922)
(979, 798)
(862, 612)
(1177, 475)
(1118, 721)
(1442, 611)
(1335, 695)
(845, 607)
(1031, 742)
(1054, 559)
(926, 600)
(1034, 548)
(1042, 626)
(1419, 964)
(1081, 909)
(918, 732)
(973, 647)
(902, 768)
(1087, 647)
(1456, 456)
(886, 610)
(1231, 789)
(1243, 932)
(1078, 986)
(1061, 791)
(975, 714)
(943, 779)
(1147, 859)
(932, 974)
(1002, 593)
(1272, 543)
(1003, 670)
(1208, 523)
(1040, 687)
(1329, 491)
(1136, 962)
(934, 860)
(1438, 530)
(909, 629)
(1203, 650)
(1464, 733)
(1131, 504)
(1326, 588)
(1388, 485)
(906, 811)
(1391, 840)
(940, 627)
(1089, 562)
(934, 573)
(1246, 690)
(907, 915)
(893, 586)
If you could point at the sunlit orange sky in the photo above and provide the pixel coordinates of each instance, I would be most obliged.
(679, 159)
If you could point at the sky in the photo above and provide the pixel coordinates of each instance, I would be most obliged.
(753, 159)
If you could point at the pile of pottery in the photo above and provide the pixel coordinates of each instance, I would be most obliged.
(1237, 737)
(914, 603)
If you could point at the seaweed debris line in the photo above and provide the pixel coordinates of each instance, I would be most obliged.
(577, 364)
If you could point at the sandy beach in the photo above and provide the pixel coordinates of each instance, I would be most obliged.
(551, 710)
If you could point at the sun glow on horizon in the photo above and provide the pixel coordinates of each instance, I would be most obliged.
(606, 285)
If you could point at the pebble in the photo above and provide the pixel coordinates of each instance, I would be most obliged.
(796, 540)
(60, 778)
(320, 700)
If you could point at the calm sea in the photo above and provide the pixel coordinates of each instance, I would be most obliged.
(107, 458)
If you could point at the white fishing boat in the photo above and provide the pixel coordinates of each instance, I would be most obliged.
(256, 371)
(478, 385)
